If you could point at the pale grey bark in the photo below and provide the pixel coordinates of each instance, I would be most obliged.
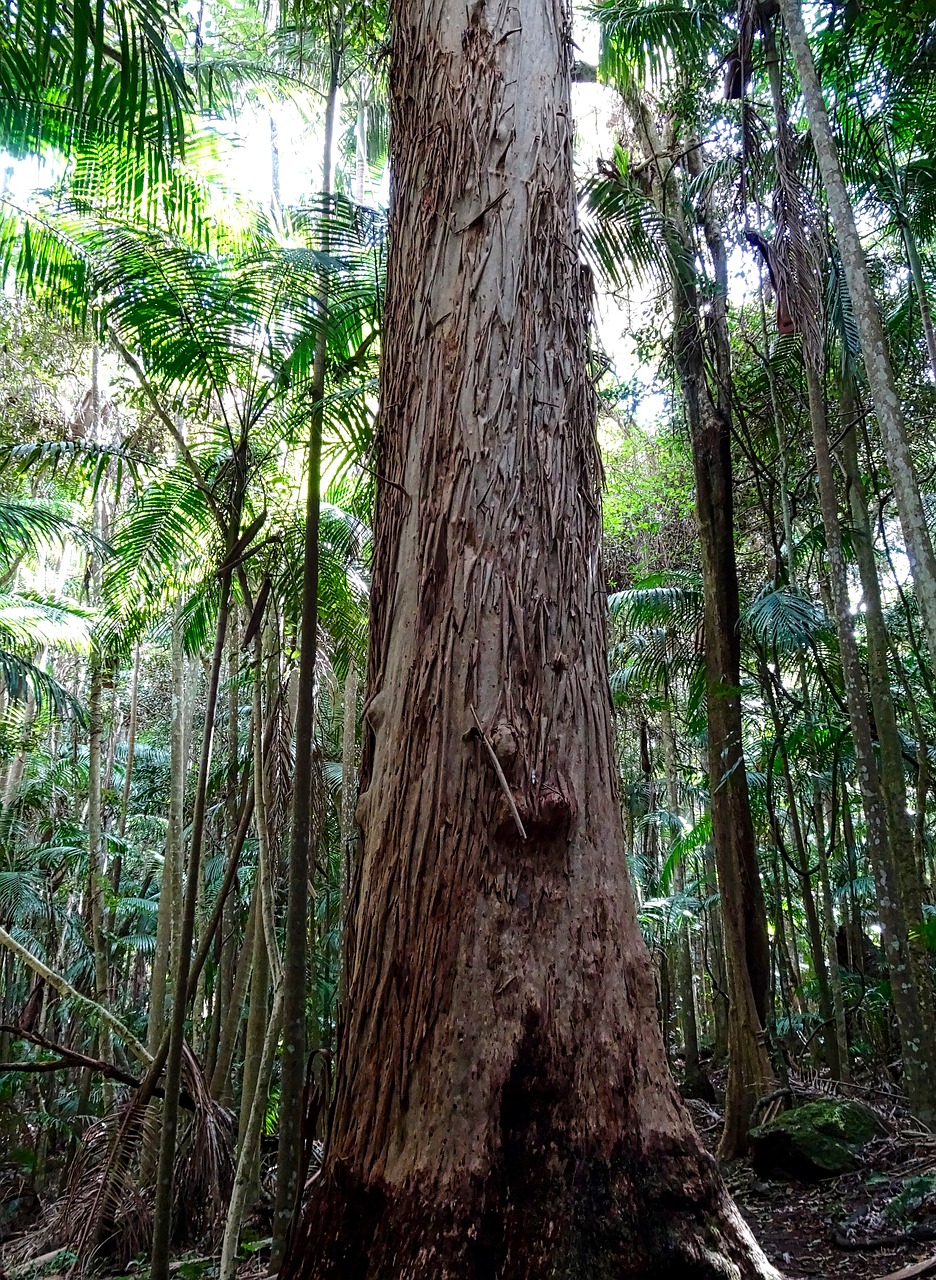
(874, 345)
(919, 284)
(170, 884)
(245, 1174)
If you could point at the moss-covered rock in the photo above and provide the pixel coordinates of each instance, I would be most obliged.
(819, 1140)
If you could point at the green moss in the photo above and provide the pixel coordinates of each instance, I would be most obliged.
(820, 1139)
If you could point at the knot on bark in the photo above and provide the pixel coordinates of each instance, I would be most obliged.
(545, 810)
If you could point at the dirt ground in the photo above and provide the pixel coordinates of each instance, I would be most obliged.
(872, 1223)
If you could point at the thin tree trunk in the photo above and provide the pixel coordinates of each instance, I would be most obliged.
(696, 1083)
(131, 742)
(743, 914)
(829, 930)
(744, 919)
(267, 965)
(886, 820)
(165, 1177)
(877, 361)
(243, 1191)
(804, 875)
(502, 1105)
(785, 974)
(855, 926)
(227, 954)
(172, 860)
(95, 737)
(290, 1172)
(222, 1085)
(95, 850)
(794, 936)
(257, 1020)
(907, 957)
(718, 975)
(117, 867)
(919, 284)
(920, 1088)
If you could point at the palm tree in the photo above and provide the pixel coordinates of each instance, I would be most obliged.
(78, 74)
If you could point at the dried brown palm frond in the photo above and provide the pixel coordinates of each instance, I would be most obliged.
(796, 256)
(205, 1160)
(100, 1183)
(107, 1205)
(892, 1108)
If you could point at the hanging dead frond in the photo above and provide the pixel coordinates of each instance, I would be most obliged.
(797, 251)
(107, 1204)
(204, 1172)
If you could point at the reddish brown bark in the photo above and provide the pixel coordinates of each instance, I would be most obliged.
(750, 1074)
(503, 1107)
(744, 919)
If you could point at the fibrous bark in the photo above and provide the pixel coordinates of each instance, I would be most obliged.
(502, 1104)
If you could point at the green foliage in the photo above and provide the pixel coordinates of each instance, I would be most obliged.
(648, 39)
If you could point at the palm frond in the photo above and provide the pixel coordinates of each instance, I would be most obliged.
(624, 236)
(785, 620)
(647, 39)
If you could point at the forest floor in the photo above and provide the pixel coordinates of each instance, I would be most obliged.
(879, 1222)
(794, 1223)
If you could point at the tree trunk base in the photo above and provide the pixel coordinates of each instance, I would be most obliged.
(662, 1214)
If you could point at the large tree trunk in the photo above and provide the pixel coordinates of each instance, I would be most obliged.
(502, 1105)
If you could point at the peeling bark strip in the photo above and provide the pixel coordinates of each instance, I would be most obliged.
(503, 1107)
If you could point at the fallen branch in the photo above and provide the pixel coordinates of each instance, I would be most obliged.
(915, 1269)
(916, 1235)
(67, 1058)
(71, 1058)
(65, 988)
